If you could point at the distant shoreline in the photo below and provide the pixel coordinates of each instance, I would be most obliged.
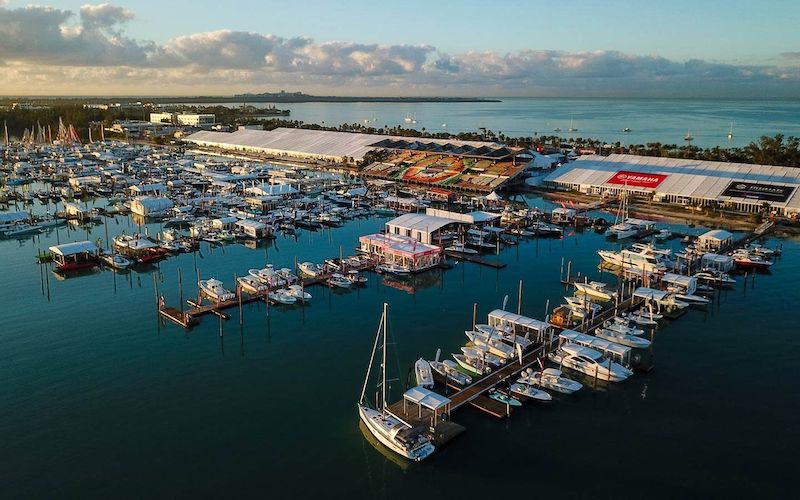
(256, 98)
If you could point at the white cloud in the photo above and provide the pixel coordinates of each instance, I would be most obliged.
(43, 48)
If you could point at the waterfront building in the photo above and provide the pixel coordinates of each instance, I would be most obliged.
(423, 228)
(147, 206)
(404, 251)
(733, 186)
(714, 240)
(199, 120)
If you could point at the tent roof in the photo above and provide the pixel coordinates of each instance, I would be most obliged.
(74, 248)
(426, 398)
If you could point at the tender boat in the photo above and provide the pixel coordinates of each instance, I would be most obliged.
(549, 378)
(298, 292)
(481, 353)
(622, 325)
(449, 369)
(339, 281)
(493, 345)
(580, 306)
(310, 269)
(393, 269)
(214, 290)
(389, 430)
(503, 398)
(424, 373)
(282, 296)
(528, 392)
(595, 289)
(252, 285)
(622, 338)
(116, 261)
(589, 362)
(475, 366)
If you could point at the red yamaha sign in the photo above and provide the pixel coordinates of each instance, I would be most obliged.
(637, 179)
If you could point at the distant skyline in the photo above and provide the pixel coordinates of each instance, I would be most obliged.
(712, 48)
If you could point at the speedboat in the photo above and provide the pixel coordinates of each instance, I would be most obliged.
(214, 290)
(481, 353)
(589, 362)
(715, 277)
(116, 261)
(503, 398)
(642, 317)
(267, 275)
(252, 285)
(622, 325)
(750, 260)
(579, 307)
(393, 269)
(492, 345)
(424, 373)
(339, 281)
(298, 292)
(549, 378)
(310, 269)
(449, 370)
(282, 296)
(460, 248)
(529, 392)
(473, 365)
(622, 338)
(595, 289)
(505, 335)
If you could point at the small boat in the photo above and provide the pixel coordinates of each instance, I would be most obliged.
(589, 362)
(356, 278)
(715, 277)
(622, 338)
(643, 317)
(460, 248)
(506, 335)
(626, 129)
(449, 370)
(214, 290)
(529, 392)
(393, 269)
(252, 285)
(282, 296)
(503, 398)
(475, 366)
(116, 261)
(580, 307)
(339, 281)
(298, 292)
(750, 260)
(424, 373)
(688, 137)
(622, 325)
(484, 354)
(310, 269)
(493, 345)
(549, 378)
(595, 289)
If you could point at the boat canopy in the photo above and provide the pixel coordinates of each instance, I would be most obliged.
(74, 248)
(679, 279)
(502, 318)
(613, 350)
(650, 293)
(426, 398)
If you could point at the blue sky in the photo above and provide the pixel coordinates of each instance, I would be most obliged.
(507, 47)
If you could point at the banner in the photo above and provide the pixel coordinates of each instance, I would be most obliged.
(637, 179)
(754, 191)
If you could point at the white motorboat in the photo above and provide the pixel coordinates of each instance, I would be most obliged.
(493, 345)
(214, 290)
(595, 289)
(298, 292)
(622, 338)
(622, 325)
(589, 362)
(424, 373)
(529, 392)
(483, 353)
(356, 278)
(116, 261)
(393, 269)
(282, 296)
(506, 335)
(268, 276)
(389, 430)
(745, 259)
(643, 317)
(339, 281)
(645, 259)
(459, 247)
(580, 307)
(475, 366)
(715, 277)
(549, 378)
(449, 369)
(311, 269)
(252, 285)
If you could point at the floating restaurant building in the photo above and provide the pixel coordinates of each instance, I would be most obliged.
(734, 186)
(401, 250)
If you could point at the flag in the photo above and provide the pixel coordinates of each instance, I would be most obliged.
(571, 204)
(563, 205)
(161, 302)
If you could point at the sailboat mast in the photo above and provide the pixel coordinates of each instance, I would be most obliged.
(371, 359)
(383, 363)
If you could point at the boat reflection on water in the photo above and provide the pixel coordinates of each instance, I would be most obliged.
(413, 283)
(65, 275)
(380, 447)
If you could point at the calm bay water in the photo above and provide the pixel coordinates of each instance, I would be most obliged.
(650, 120)
(98, 400)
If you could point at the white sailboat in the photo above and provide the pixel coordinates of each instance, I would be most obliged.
(387, 428)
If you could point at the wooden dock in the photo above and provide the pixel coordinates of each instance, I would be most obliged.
(475, 258)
